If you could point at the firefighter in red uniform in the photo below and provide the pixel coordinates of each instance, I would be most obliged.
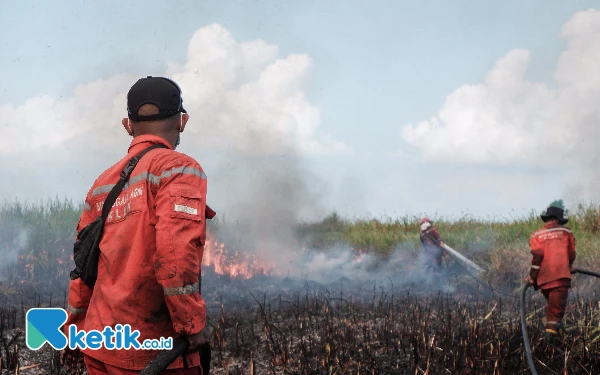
(432, 246)
(153, 241)
(553, 250)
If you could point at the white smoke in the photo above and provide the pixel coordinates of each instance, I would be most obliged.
(250, 126)
(14, 239)
(244, 99)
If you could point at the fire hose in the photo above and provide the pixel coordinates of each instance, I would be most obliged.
(166, 357)
(180, 347)
(528, 353)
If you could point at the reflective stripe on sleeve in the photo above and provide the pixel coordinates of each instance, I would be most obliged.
(181, 170)
(75, 311)
(152, 178)
(180, 290)
(535, 267)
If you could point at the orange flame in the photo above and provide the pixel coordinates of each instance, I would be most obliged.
(233, 263)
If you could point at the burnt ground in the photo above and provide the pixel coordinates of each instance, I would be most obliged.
(294, 326)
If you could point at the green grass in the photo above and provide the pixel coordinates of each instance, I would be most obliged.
(467, 234)
(501, 247)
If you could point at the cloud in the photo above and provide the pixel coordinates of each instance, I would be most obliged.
(243, 96)
(509, 120)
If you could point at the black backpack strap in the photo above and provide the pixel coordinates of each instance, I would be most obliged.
(116, 190)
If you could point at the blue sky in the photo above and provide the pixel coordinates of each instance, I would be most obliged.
(376, 67)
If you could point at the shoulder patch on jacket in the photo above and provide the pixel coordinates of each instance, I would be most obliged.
(186, 209)
(186, 203)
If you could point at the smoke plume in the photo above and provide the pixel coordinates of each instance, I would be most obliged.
(251, 125)
(14, 239)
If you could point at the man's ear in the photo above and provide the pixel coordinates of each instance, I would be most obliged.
(127, 127)
(184, 119)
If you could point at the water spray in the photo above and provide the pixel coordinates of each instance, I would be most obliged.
(462, 258)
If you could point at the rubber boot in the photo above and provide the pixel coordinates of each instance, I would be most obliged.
(553, 338)
(561, 331)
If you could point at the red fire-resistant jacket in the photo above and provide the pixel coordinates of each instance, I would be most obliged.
(150, 254)
(553, 250)
(431, 239)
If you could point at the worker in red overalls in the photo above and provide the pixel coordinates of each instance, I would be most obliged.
(432, 246)
(553, 250)
(153, 241)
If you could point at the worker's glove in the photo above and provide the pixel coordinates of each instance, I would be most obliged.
(531, 282)
(198, 340)
(72, 360)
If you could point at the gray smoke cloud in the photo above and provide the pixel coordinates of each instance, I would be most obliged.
(341, 273)
(245, 100)
(14, 239)
(251, 128)
(264, 200)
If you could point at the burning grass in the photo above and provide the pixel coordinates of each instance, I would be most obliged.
(310, 331)
(36, 242)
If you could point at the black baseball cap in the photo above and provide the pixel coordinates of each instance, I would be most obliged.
(162, 92)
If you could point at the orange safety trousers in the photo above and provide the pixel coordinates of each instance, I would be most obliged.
(556, 305)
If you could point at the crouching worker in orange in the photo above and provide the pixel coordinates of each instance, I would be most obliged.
(553, 250)
(153, 241)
